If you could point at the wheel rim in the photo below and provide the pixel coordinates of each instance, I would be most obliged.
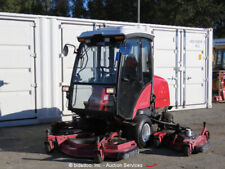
(146, 132)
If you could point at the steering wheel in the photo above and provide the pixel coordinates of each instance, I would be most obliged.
(105, 73)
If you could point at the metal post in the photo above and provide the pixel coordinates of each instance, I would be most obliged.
(138, 15)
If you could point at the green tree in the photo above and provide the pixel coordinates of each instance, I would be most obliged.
(96, 9)
(219, 23)
(10, 6)
(46, 6)
(194, 13)
(200, 13)
(43, 7)
(121, 10)
(38, 7)
(78, 9)
(59, 8)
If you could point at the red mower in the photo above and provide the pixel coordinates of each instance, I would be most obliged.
(182, 139)
(114, 92)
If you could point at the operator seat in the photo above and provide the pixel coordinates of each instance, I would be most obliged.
(130, 68)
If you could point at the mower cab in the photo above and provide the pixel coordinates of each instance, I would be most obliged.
(115, 93)
(113, 75)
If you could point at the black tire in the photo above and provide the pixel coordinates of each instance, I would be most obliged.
(156, 143)
(99, 157)
(142, 130)
(187, 151)
(48, 148)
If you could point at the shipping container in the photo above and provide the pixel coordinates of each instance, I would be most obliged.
(33, 70)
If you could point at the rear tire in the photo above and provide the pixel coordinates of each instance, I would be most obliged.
(143, 130)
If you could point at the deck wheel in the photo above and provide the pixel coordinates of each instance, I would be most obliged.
(48, 148)
(187, 151)
(156, 142)
(100, 156)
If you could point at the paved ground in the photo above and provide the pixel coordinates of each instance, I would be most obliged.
(22, 147)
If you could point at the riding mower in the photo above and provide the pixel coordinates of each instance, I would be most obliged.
(115, 94)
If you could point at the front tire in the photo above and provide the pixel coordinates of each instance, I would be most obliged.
(143, 130)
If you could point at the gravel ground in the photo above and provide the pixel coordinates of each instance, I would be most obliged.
(22, 147)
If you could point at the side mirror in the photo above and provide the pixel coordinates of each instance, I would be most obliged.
(65, 50)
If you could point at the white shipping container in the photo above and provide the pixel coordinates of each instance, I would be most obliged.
(33, 70)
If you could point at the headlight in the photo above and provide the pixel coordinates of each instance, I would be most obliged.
(110, 91)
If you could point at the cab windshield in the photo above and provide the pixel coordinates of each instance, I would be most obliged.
(97, 63)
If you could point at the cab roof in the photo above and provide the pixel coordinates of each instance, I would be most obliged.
(127, 31)
(219, 42)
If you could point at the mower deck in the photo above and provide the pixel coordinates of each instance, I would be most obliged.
(89, 145)
(181, 139)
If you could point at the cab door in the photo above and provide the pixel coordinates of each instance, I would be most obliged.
(134, 75)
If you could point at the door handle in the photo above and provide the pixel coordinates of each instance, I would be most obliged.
(3, 83)
(172, 78)
(188, 78)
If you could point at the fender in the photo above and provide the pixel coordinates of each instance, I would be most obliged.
(161, 90)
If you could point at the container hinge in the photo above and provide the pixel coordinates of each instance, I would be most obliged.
(176, 104)
(153, 31)
(33, 24)
(34, 85)
(33, 55)
(179, 69)
(94, 26)
(61, 26)
(61, 55)
(62, 84)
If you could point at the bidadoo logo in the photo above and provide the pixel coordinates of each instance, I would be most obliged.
(110, 165)
(152, 165)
